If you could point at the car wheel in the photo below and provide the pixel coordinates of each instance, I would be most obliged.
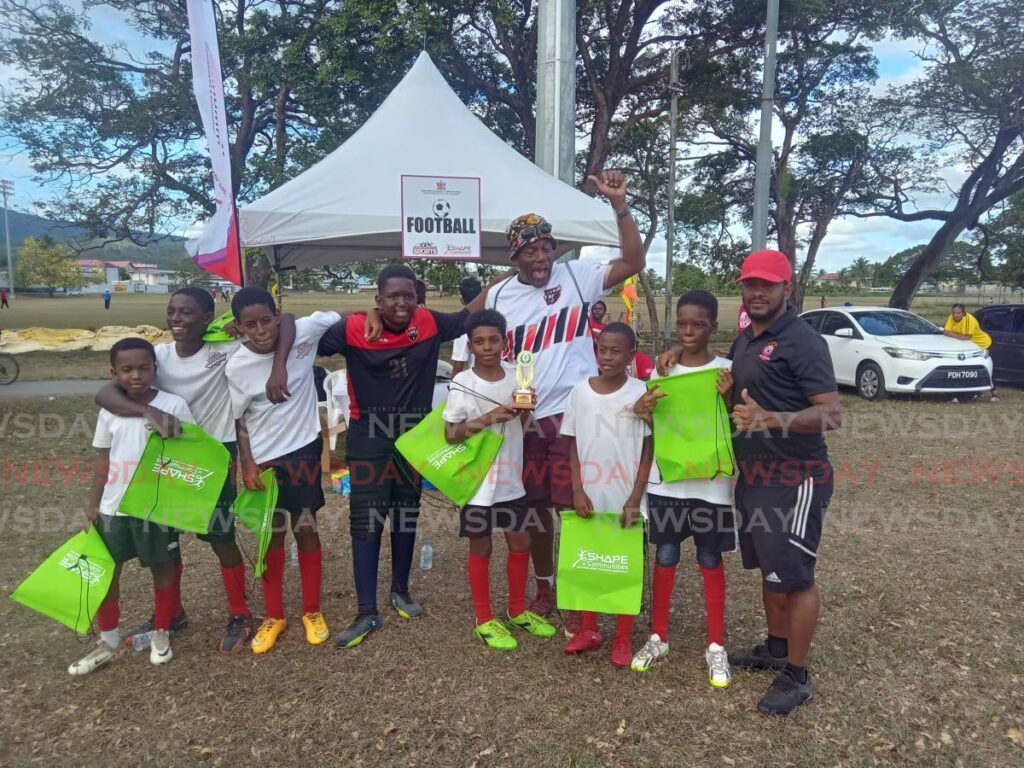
(871, 382)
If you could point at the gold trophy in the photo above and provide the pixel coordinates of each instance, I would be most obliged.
(524, 398)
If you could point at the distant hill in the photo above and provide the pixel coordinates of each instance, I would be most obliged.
(164, 254)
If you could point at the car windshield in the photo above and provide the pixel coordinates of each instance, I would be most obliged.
(894, 323)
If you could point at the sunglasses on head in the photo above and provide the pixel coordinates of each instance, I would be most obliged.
(544, 228)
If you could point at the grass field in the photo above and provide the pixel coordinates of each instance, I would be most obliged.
(141, 309)
(917, 661)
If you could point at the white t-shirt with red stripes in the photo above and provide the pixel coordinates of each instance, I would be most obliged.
(552, 322)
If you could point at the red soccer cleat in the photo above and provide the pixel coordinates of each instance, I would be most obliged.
(584, 640)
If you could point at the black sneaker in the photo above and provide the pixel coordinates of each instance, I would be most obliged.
(757, 659)
(785, 694)
(408, 607)
(237, 634)
(178, 624)
(357, 631)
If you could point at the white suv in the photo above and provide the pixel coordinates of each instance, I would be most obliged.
(880, 350)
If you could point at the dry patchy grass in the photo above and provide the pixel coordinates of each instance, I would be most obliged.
(917, 659)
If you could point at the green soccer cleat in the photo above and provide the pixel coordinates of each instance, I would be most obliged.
(534, 624)
(496, 635)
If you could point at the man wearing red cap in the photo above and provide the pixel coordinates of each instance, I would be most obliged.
(785, 397)
(547, 306)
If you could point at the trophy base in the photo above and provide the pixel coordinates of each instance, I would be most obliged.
(524, 401)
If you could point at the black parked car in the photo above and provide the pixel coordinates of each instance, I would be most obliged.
(1005, 324)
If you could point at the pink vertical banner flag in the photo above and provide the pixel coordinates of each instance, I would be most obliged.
(216, 249)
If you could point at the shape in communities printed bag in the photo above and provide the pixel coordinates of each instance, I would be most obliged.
(71, 583)
(600, 564)
(178, 480)
(692, 432)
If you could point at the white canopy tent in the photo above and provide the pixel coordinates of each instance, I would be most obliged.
(347, 207)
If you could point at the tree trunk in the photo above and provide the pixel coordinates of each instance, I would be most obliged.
(800, 289)
(909, 284)
(257, 274)
(652, 311)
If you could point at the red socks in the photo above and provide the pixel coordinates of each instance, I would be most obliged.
(589, 620)
(178, 607)
(311, 571)
(234, 585)
(664, 579)
(163, 609)
(623, 625)
(480, 586)
(714, 601)
(518, 569)
(108, 616)
(273, 584)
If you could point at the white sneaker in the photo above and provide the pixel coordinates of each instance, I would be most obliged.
(160, 647)
(653, 650)
(719, 674)
(94, 659)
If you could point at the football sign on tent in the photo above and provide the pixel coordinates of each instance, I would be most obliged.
(440, 217)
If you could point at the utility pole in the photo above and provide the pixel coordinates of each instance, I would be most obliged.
(763, 169)
(555, 149)
(670, 229)
(7, 190)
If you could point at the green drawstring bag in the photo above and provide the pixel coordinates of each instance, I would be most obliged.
(71, 583)
(692, 433)
(600, 564)
(457, 470)
(255, 510)
(215, 330)
(178, 481)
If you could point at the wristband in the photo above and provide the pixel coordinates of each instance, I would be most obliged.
(620, 215)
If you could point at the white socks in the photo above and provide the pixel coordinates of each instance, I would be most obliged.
(111, 637)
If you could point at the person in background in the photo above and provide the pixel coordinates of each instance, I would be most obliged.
(106, 298)
(462, 358)
(961, 324)
(598, 312)
(421, 293)
(824, 303)
(3, 298)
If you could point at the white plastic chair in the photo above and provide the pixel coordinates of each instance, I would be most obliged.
(336, 405)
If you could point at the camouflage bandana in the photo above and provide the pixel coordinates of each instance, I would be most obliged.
(525, 230)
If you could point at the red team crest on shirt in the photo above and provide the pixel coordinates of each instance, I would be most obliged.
(412, 332)
(767, 350)
(551, 294)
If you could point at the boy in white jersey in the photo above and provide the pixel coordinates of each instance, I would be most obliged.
(120, 443)
(481, 398)
(194, 370)
(611, 458)
(285, 436)
(698, 508)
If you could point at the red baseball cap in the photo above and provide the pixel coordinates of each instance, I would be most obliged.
(769, 265)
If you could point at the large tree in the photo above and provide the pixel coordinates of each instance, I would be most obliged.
(47, 264)
(969, 106)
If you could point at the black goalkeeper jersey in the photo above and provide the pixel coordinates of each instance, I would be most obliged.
(391, 380)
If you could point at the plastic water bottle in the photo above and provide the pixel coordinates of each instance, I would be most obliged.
(293, 553)
(426, 555)
(142, 640)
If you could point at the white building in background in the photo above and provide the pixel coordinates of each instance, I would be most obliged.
(101, 275)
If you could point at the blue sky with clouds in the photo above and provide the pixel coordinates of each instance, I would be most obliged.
(848, 239)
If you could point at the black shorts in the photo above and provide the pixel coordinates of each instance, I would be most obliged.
(128, 538)
(299, 488)
(480, 522)
(672, 520)
(222, 524)
(780, 529)
(383, 484)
